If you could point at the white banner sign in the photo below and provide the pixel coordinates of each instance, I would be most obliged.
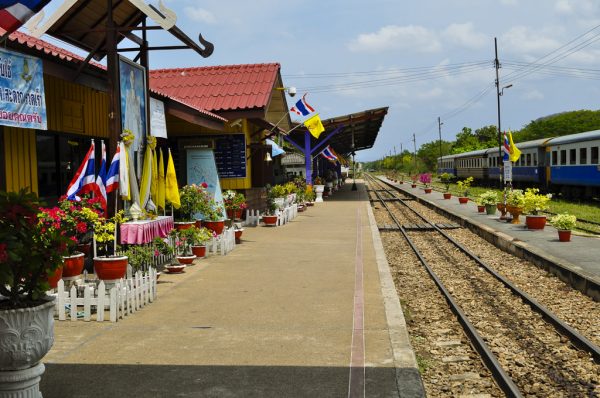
(158, 123)
(507, 171)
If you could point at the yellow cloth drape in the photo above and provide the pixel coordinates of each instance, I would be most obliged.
(172, 191)
(160, 200)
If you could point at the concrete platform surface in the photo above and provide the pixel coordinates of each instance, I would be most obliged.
(579, 256)
(285, 314)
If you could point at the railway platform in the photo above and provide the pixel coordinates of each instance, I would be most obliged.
(308, 309)
(576, 262)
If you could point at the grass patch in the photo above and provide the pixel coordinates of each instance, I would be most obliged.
(423, 363)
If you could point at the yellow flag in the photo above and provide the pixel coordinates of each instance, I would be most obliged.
(160, 200)
(515, 153)
(172, 191)
(154, 183)
(146, 180)
(314, 125)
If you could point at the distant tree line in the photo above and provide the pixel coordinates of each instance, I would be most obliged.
(486, 137)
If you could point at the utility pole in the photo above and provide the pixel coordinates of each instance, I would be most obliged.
(401, 158)
(440, 132)
(415, 153)
(500, 157)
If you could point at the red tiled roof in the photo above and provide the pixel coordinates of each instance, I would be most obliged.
(218, 88)
(199, 109)
(47, 48)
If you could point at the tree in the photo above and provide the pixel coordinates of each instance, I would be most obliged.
(430, 152)
(560, 124)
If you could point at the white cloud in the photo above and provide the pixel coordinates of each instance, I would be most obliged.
(509, 2)
(392, 37)
(528, 41)
(533, 95)
(465, 36)
(435, 92)
(563, 7)
(200, 15)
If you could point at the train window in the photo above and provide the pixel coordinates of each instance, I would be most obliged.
(528, 159)
(582, 155)
(573, 156)
(594, 155)
(554, 158)
(563, 156)
(535, 159)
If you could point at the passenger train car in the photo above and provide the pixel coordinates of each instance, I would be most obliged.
(567, 164)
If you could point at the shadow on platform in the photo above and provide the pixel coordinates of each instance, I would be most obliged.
(84, 380)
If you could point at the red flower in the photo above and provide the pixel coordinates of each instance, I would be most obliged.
(204, 185)
(81, 227)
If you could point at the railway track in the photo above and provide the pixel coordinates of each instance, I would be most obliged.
(528, 350)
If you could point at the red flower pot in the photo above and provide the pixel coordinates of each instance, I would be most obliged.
(447, 195)
(181, 225)
(215, 226)
(480, 208)
(463, 200)
(238, 235)
(84, 248)
(413, 185)
(55, 277)
(564, 235)
(535, 222)
(73, 265)
(174, 269)
(234, 214)
(186, 259)
(400, 182)
(428, 190)
(270, 220)
(199, 251)
(110, 268)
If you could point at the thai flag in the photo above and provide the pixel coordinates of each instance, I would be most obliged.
(112, 177)
(302, 108)
(84, 179)
(14, 13)
(101, 179)
(506, 148)
(327, 154)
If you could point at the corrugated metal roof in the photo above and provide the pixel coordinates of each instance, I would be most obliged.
(47, 48)
(219, 88)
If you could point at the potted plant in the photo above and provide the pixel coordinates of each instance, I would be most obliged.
(213, 217)
(277, 193)
(290, 192)
(564, 223)
(310, 196)
(29, 253)
(446, 179)
(183, 245)
(480, 205)
(514, 204)
(199, 238)
(270, 217)
(463, 188)
(414, 180)
(425, 179)
(194, 199)
(235, 203)
(107, 264)
(489, 200)
(534, 202)
(319, 188)
(140, 257)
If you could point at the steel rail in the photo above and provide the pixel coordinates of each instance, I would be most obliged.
(503, 380)
(576, 338)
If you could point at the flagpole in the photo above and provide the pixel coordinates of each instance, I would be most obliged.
(280, 120)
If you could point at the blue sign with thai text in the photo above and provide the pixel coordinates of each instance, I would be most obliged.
(22, 98)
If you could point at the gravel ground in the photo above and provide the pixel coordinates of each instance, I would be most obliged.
(534, 354)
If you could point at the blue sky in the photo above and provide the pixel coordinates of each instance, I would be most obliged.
(451, 42)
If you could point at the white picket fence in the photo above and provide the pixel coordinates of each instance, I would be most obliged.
(223, 243)
(253, 217)
(122, 298)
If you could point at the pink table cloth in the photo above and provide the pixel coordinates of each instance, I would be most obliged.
(144, 231)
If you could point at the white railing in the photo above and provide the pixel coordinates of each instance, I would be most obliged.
(223, 243)
(287, 214)
(122, 298)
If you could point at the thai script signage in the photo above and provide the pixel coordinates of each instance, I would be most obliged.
(230, 155)
(22, 98)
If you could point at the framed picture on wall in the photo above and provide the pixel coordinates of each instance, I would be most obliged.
(133, 85)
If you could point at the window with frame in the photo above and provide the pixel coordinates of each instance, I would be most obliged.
(528, 159)
(563, 156)
(535, 163)
(554, 158)
(572, 156)
(594, 155)
(583, 155)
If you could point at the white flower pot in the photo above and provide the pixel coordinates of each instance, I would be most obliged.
(319, 191)
(280, 202)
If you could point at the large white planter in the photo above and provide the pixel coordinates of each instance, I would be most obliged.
(280, 202)
(319, 191)
(26, 335)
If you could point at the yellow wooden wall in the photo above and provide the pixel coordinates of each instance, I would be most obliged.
(70, 108)
(20, 159)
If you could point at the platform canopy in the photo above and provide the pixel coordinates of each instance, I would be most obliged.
(364, 125)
